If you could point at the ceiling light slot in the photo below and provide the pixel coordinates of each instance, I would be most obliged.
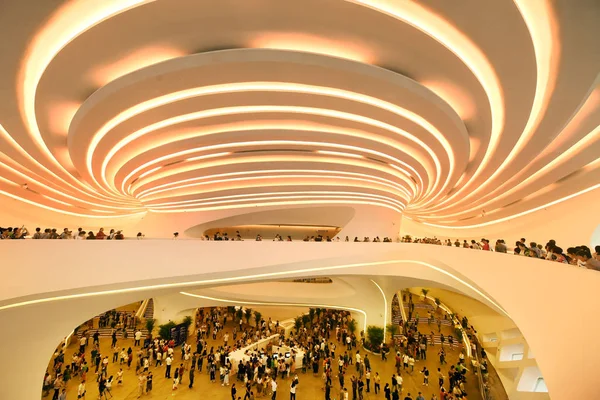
(271, 151)
(173, 163)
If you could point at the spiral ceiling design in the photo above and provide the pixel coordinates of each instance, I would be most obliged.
(454, 114)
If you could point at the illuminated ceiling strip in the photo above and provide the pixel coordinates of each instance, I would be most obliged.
(279, 171)
(555, 163)
(518, 214)
(30, 180)
(263, 109)
(262, 160)
(258, 143)
(12, 196)
(385, 309)
(333, 182)
(458, 43)
(305, 193)
(265, 86)
(539, 20)
(72, 20)
(55, 37)
(4, 134)
(244, 278)
(285, 195)
(379, 203)
(280, 304)
(149, 171)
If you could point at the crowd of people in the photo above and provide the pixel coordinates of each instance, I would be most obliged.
(326, 345)
(581, 256)
(52, 233)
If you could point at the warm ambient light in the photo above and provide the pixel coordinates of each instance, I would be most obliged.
(532, 210)
(246, 182)
(71, 20)
(265, 86)
(264, 109)
(406, 186)
(271, 203)
(284, 125)
(276, 196)
(314, 173)
(542, 26)
(138, 59)
(313, 44)
(454, 40)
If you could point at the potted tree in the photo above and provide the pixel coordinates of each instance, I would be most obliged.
(374, 338)
(231, 312)
(298, 323)
(311, 315)
(305, 319)
(437, 303)
(187, 321)
(239, 314)
(352, 326)
(164, 331)
(424, 293)
(257, 318)
(248, 314)
(393, 330)
(150, 322)
(318, 311)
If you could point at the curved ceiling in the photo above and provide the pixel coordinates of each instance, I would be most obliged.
(452, 115)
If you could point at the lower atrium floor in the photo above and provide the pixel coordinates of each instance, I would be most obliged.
(311, 386)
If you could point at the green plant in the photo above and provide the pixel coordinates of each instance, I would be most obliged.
(248, 313)
(257, 318)
(305, 319)
(319, 311)
(298, 323)
(187, 321)
(164, 331)
(424, 292)
(392, 329)
(375, 336)
(150, 322)
(311, 314)
(459, 334)
(231, 311)
(239, 314)
(352, 326)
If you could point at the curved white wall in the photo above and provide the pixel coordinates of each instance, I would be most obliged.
(59, 299)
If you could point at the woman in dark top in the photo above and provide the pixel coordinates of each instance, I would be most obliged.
(387, 391)
(149, 382)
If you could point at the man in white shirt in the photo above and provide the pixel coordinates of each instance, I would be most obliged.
(168, 363)
(82, 343)
(274, 388)
(81, 390)
(138, 337)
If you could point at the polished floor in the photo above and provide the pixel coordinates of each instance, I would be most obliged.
(310, 386)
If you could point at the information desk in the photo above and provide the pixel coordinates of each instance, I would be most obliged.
(245, 353)
(286, 350)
